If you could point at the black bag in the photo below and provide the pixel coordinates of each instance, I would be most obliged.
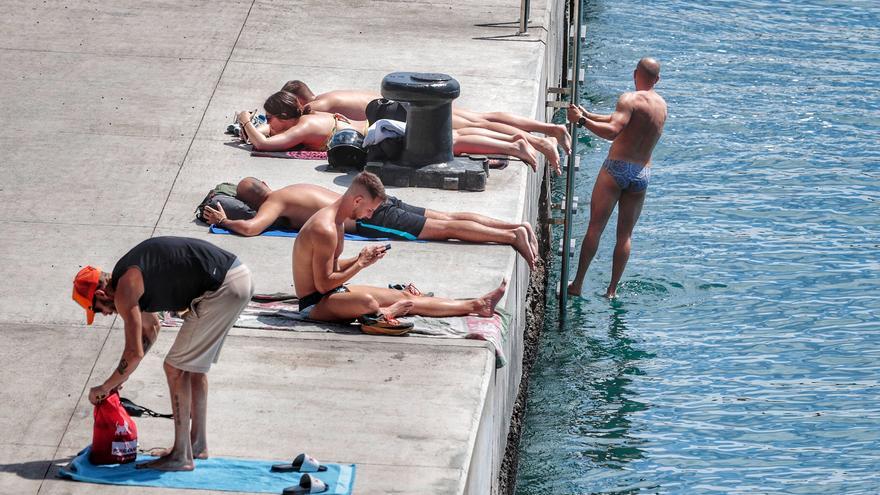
(382, 108)
(224, 194)
(137, 411)
(386, 150)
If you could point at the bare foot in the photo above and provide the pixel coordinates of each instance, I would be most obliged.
(574, 289)
(200, 450)
(526, 152)
(487, 303)
(170, 462)
(523, 246)
(560, 132)
(159, 451)
(547, 146)
(400, 308)
(532, 239)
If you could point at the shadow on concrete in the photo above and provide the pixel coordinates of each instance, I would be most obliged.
(344, 179)
(33, 470)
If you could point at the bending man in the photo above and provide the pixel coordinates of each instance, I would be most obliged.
(634, 129)
(319, 275)
(296, 203)
(171, 274)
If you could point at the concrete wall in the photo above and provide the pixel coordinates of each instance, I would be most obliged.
(491, 444)
(129, 100)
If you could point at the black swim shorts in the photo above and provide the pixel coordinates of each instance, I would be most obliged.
(394, 219)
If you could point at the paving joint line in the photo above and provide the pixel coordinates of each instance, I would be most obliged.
(73, 412)
(202, 119)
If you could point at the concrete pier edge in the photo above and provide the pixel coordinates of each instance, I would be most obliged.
(139, 94)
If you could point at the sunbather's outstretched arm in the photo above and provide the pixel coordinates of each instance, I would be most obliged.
(287, 140)
(267, 215)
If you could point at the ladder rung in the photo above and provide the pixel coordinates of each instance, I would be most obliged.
(577, 164)
(571, 246)
(559, 91)
(583, 32)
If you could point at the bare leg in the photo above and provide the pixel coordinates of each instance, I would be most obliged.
(199, 433)
(364, 299)
(559, 131)
(473, 217)
(545, 145)
(486, 145)
(628, 211)
(181, 456)
(487, 221)
(466, 230)
(602, 202)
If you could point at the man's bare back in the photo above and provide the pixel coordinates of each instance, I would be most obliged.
(298, 203)
(636, 141)
(352, 104)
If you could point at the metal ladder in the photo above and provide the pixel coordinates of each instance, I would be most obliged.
(572, 77)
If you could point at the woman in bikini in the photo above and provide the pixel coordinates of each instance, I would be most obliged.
(290, 126)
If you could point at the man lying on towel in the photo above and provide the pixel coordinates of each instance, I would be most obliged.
(319, 275)
(296, 203)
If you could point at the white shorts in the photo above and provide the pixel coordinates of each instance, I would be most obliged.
(209, 319)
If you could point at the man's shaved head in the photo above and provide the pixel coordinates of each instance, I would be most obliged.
(650, 67)
(252, 192)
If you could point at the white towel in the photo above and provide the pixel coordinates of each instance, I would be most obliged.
(384, 129)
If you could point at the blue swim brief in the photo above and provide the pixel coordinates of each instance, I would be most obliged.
(630, 177)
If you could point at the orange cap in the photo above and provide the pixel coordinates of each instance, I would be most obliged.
(84, 286)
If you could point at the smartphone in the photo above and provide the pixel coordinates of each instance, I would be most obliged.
(387, 247)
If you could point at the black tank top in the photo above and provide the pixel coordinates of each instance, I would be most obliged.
(176, 270)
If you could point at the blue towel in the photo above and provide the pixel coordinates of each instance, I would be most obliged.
(223, 474)
(279, 232)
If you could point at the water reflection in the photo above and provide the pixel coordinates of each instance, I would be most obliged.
(606, 422)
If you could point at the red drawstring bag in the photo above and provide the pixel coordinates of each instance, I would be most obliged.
(114, 440)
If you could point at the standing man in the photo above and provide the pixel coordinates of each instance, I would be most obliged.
(634, 129)
(320, 276)
(170, 274)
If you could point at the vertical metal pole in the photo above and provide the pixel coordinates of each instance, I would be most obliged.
(567, 11)
(524, 6)
(569, 178)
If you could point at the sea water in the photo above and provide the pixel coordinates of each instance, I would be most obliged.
(743, 352)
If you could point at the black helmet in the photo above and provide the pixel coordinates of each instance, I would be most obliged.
(346, 150)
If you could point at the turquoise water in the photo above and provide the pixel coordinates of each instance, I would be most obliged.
(743, 354)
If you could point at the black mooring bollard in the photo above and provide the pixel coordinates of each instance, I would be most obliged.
(429, 119)
(427, 159)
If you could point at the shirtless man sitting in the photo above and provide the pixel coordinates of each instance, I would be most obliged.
(634, 129)
(298, 202)
(319, 275)
(353, 104)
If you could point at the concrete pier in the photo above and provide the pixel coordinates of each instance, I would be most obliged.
(114, 120)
